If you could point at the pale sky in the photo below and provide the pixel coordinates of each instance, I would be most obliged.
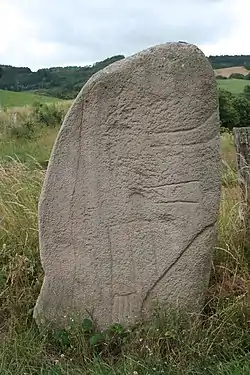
(45, 33)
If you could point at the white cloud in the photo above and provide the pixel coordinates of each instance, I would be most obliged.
(40, 33)
(236, 41)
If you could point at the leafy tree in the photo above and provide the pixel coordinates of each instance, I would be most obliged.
(229, 115)
(247, 91)
(242, 106)
(221, 77)
(237, 76)
(234, 109)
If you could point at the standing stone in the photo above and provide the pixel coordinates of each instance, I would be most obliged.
(128, 209)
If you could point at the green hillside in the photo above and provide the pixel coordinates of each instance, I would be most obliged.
(235, 86)
(20, 99)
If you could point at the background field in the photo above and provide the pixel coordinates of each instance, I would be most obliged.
(235, 86)
(226, 72)
(20, 99)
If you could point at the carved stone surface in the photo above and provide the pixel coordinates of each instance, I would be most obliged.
(130, 201)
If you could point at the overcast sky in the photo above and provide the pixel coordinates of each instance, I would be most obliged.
(44, 33)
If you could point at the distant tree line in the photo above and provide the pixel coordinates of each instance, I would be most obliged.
(226, 61)
(235, 76)
(64, 83)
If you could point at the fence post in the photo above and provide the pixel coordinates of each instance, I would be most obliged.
(242, 145)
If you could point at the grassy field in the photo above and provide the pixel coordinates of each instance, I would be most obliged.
(20, 99)
(235, 86)
(215, 343)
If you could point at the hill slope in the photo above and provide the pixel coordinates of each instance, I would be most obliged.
(20, 99)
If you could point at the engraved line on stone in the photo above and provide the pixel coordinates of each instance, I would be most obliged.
(176, 260)
(72, 200)
(176, 202)
(171, 184)
(124, 294)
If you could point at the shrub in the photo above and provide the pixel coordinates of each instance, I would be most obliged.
(247, 91)
(221, 77)
(234, 109)
(19, 125)
(229, 115)
(27, 123)
(237, 76)
(24, 129)
(242, 106)
(48, 114)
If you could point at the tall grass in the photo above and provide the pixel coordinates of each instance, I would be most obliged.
(28, 133)
(216, 342)
(19, 264)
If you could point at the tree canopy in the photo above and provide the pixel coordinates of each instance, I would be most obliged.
(60, 82)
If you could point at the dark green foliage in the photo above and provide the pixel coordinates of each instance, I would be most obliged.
(221, 77)
(226, 61)
(64, 83)
(247, 91)
(242, 105)
(87, 326)
(229, 116)
(237, 76)
(234, 109)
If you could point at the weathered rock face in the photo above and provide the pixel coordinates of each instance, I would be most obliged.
(128, 210)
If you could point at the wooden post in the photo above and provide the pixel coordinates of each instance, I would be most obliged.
(242, 145)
